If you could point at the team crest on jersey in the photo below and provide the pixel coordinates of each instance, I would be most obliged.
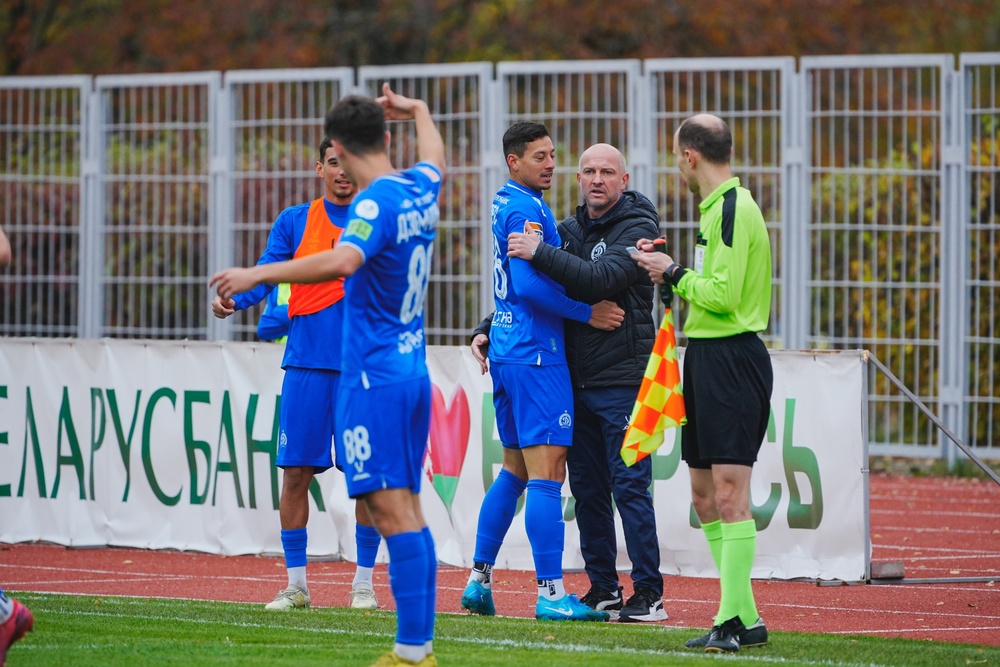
(598, 251)
(565, 421)
(367, 209)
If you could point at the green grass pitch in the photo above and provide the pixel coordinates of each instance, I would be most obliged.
(83, 631)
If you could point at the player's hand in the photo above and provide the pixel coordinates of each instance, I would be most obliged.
(223, 308)
(606, 315)
(398, 107)
(522, 246)
(233, 281)
(480, 344)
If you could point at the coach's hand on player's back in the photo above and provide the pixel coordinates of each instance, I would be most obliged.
(606, 315)
(523, 246)
(480, 346)
(223, 308)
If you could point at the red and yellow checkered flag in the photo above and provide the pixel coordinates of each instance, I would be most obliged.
(660, 403)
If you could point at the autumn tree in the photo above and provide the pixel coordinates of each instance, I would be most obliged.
(115, 36)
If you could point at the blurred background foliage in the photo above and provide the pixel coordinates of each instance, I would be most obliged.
(127, 36)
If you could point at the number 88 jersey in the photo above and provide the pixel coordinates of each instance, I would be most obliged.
(392, 223)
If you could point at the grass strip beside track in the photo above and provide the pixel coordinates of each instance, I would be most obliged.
(84, 631)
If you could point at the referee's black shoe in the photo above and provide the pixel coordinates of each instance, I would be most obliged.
(752, 636)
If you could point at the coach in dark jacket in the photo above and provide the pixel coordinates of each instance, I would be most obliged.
(607, 369)
(596, 267)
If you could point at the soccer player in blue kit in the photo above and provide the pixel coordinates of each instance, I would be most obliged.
(386, 251)
(532, 393)
(312, 363)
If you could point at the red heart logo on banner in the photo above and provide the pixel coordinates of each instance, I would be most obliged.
(449, 440)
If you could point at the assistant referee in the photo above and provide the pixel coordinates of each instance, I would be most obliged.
(727, 370)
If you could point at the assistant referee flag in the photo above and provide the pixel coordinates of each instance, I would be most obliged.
(660, 403)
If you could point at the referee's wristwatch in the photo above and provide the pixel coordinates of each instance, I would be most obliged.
(673, 273)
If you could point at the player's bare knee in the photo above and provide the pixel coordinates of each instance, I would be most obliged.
(732, 506)
(704, 509)
(296, 479)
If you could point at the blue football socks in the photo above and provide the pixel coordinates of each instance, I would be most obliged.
(409, 574)
(294, 542)
(496, 514)
(543, 521)
(367, 540)
(431, 587)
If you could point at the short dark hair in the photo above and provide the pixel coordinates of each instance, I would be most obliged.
(520, 134)
(358, 124)
(714, 143)
(323, 145)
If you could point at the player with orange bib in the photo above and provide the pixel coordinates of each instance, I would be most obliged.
(312, 363)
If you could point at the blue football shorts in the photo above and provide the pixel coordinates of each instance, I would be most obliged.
(534, 404)
(306, 418)
(382, 439)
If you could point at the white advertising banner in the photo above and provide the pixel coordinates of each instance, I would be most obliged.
(158, 444)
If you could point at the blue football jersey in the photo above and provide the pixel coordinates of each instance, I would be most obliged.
(392, 223)
(530, 307)
(314, 340)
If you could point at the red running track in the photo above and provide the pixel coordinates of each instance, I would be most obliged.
(940, 528)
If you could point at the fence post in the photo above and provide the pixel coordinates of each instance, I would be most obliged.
(794, 250)
(220, 223)
(91, 306)
(953, 305)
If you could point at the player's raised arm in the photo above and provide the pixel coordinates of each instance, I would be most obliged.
(430, 145)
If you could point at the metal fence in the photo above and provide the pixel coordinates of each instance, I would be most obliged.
(879, 177)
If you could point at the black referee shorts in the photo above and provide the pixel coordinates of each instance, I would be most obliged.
(727, 395)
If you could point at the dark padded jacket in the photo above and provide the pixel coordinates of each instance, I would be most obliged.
(594, 265)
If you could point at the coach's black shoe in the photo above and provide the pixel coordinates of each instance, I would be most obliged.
(644, 605)
(600, 600)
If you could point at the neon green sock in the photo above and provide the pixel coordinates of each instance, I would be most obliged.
(713, 533)
(739, 543)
